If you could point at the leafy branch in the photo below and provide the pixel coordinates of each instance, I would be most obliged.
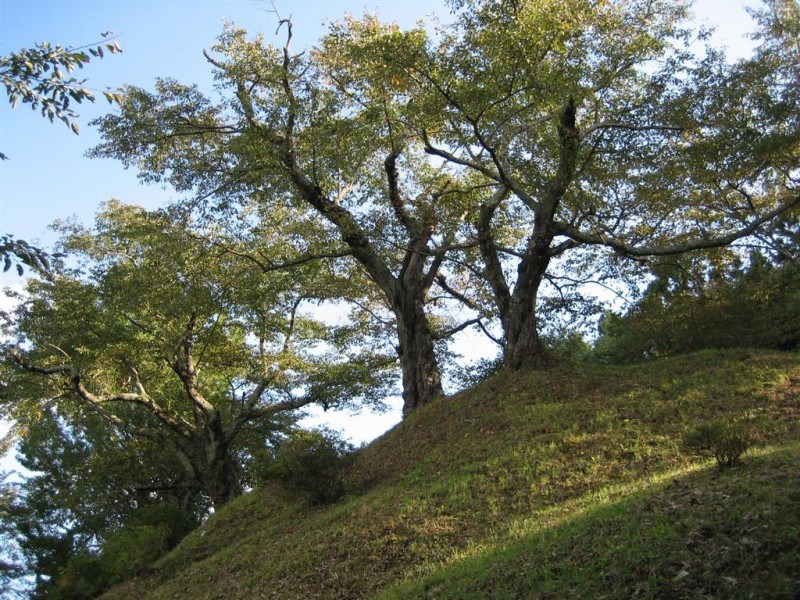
(41, 76)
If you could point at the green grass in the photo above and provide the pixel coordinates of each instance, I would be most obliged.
(556, 484)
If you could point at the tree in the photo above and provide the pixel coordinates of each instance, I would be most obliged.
(182, 345)
(323, 136)
(711, 301)
(87, 483)
(9, 568)
(589, 144)
(564, 149)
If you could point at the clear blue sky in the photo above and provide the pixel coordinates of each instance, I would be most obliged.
(48, 177)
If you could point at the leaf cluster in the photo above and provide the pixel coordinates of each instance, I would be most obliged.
(311, 464)
(19, 254)
(41, 76)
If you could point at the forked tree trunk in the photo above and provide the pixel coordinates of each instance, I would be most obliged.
(405, 293)
(524, 347)
(221, 475)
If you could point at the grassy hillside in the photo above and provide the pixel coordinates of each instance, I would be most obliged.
(557, 484)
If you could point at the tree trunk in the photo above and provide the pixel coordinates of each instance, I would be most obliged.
(524, 347)
(422, 380)
(223, 484)
(222, 480)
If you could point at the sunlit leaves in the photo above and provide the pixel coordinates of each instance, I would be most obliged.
(40, 76)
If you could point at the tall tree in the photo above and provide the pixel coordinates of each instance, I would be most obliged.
(325, 136)
(177, 342)
(9, 567)
(558, 129)
(87, 481)
(599, 127)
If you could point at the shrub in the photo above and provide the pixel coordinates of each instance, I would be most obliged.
(126, 552)
(468, 376)
(725, 439)
(311, 463)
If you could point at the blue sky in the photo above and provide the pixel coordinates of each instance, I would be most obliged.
(48, 176)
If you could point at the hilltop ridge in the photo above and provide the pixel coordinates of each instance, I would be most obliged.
(569, 482)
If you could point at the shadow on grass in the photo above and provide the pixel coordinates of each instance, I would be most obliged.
(708, 534)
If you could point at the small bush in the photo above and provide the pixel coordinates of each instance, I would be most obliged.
(726, 440)
(310, 463)
(130, 550)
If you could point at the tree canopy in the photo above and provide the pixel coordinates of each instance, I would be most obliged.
(527, 147)
(173, 340)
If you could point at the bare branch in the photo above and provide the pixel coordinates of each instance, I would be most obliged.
(441, 280)
(698, 244)
(614, 125)
(485, 331)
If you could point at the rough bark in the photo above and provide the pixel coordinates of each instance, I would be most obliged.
(422, 380)
(524, 346)
(517, 309)
(405, 292)
(222, 480)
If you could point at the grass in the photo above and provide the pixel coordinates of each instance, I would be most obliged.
(564, 483)
(698, 533)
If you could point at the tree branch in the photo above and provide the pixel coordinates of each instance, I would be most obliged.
(699, 244)
(452, 331)
(614, 125)
(442, 281)
(390, 166)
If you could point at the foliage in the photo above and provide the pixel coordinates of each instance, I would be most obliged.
(9, 562)
(40, 76)
(323, 140)
(595, 127)
(311, 464)
(471, 375)
(84, 483)
(180, 345)
(25, 254)
(36, 76)
(725, 439)
(707, 304)
(126, 551)
(568, 139)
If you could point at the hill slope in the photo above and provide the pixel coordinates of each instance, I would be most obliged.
(565, 483)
